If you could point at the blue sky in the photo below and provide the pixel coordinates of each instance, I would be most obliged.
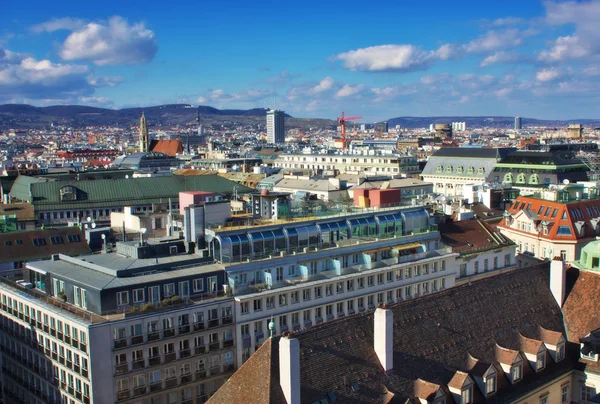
(310, 58)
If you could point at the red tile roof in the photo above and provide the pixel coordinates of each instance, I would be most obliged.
(582, 300)
(168, 147)
(472, 235)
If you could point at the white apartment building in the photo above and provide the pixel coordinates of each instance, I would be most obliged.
(275, 127)
(388, 164)
(306, 273)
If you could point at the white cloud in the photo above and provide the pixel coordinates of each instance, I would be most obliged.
(56, 24)
(221, 96)
(507, 21)
(23, 76)
(401, 58)
(503, 92)
(494, 40)
(114, 42)
(500, 57)
(547, 75)
(347, 90)
(324, 85)
(105, 81)
(585, 41)
(96, 101)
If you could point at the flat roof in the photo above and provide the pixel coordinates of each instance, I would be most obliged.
(80, 271)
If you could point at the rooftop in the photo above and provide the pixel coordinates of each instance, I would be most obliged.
(471, 236)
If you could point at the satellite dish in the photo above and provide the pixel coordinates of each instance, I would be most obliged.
(566, 181)
(89, 219)
(94, 225)
(103, 236)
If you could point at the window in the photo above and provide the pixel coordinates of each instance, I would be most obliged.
(270, 302)
(122, 298)
(516, 373)
(587, 393)
(541, 361)
(169, 290)
(564, 395)
(282, 300)
(306, 294)
(184, 289)
(490, 384)
(77, 295)
(198, 285)
(257, 304)
(564, 231)
(154, 377)
(560, 352)
(294, 297)
(154, 294)
(544, 400)
(467, 395)
(38, 241)
(370, 280)
(73, 238)
(138, 295)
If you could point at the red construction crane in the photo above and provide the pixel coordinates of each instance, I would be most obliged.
(342, 120)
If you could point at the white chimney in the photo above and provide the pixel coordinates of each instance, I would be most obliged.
(384, 337)
(558, 280)
(289, 369)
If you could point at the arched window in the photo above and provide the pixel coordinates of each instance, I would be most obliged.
(508, 177)
(439, 169)
(470, 170)
(459, 170)
(481, 171)
(534, 179)
(521, 179)
(449, 170)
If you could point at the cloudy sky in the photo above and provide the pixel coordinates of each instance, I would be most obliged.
(379, 60)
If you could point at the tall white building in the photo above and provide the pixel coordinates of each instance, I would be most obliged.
(275, 127)
(459, 126)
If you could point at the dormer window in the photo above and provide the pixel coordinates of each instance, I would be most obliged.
(515, 373)
(541, 361)
(490, 385)
(467, 395)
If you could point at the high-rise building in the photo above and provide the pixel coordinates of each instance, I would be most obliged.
(575, 131)
(459, 126)
(275, 127)
(518, 123)
(143, 134)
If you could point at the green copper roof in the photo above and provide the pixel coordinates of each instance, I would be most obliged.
(590, 257)
(127, 192)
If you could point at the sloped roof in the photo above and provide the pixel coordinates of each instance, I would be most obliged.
(127, 192)
(23, 211)
(256, 381)
(18, 246)
(582, 300)
(433, 337)
(472, 235)
(168, 147)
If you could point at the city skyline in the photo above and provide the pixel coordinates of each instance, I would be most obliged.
(309, 59)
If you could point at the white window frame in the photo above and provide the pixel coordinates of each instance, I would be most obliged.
(77, 295)
(184, 285)
(135, 295)
(168, 290)
(195, 283)
(120, 300)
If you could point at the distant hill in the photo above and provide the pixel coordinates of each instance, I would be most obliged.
(484, 121)
(27, 116)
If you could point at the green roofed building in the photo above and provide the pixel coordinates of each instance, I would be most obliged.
(590, 257)
(60, 202)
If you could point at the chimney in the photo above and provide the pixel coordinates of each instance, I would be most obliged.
(558, 279)
(289, 369)
(384, 337)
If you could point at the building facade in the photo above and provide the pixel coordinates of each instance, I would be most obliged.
(275, 127)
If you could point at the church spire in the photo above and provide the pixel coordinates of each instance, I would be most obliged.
(143, 134)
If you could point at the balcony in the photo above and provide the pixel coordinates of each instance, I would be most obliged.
(154, 361)
(214, 346)
(172, 382)
(170, 357)
(185, 353)
(200, 375)
(228, 368)
(136, 365)
(138, 391)
(186, 378)
(153, 336)
(184, 329)
(138, 339)
(198, 326)
(120, 343)
(213, 323)
(123, 395)
(199, 350)
(227, 343)
(155, 387)
(201, 399)
(169, 332)
(227, 320)
(122, 368)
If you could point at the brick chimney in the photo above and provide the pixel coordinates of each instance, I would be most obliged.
(558, 279)
(289, 369)
(384, 337)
